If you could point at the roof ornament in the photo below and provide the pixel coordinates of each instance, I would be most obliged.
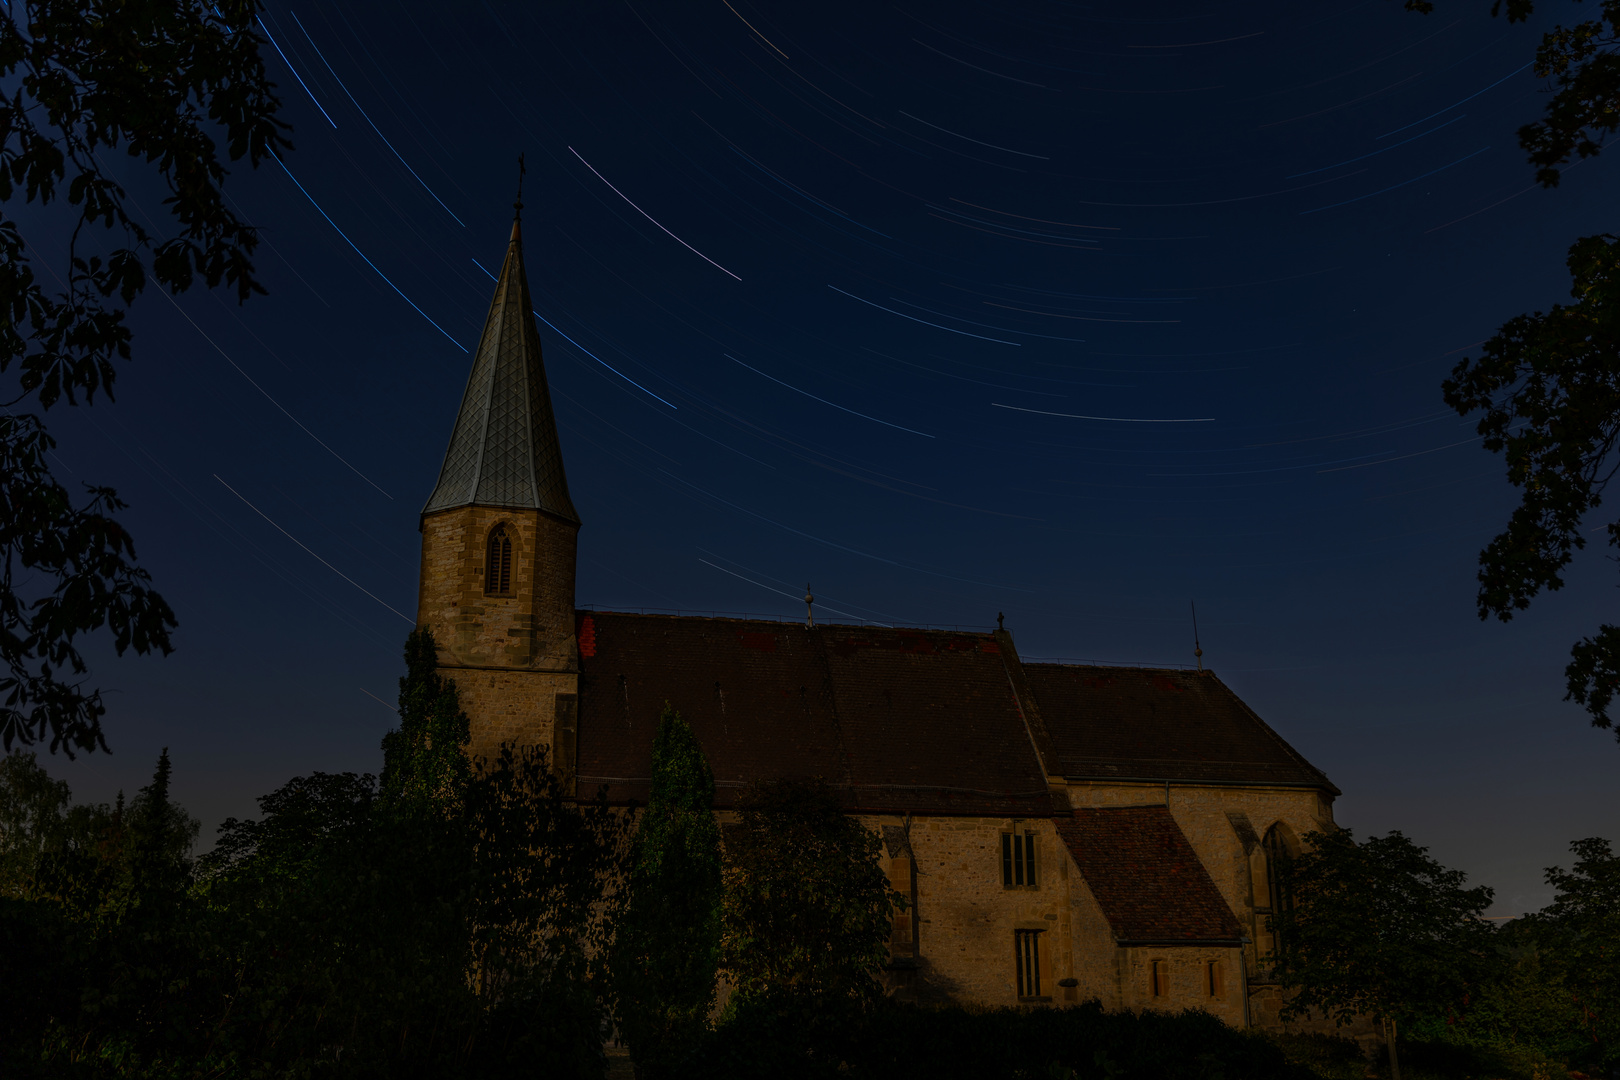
(518, 205)
(1000, 621)
(809, 612)
(1198, 650)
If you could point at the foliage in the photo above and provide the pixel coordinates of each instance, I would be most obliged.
(1549, 388)
(1583, 63)
(91, 560)
(344, 932)
(1549, 385)
(808, 909)
(33, 810)
(1077, 1042)
(808, 917)
(424, 758)
(1578, 936)
(105, 926)
(668, 938)
(84, 78)
(1378, 928)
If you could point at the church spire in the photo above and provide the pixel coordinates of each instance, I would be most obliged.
(503, 450)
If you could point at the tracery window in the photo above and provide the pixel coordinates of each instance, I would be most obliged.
(498, 563)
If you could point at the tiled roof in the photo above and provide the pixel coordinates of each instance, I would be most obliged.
(503, 449)
(1146, 877)
(1145, 723)
(895, 720)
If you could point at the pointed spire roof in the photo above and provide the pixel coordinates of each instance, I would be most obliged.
(503, 451)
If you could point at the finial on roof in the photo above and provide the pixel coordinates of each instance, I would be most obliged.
(1001, 619)
(518, 205)
(1198, 650)
(809, 612)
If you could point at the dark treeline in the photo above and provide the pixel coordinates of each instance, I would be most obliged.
(453, 918)
(441, 921)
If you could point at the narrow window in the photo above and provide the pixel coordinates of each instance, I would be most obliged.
(1018, 859)
(1216, 979)
(498, 563)
(1160, 975)
(1027, 962)
(1279, 849)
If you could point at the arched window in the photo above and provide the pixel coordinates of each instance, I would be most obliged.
(1279, 845)
(498, 563)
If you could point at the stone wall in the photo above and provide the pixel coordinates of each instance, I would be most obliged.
(967, 917)
(511, 706)
(513, 657)
(533, 626)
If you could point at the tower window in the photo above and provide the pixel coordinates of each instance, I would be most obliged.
(498, 563)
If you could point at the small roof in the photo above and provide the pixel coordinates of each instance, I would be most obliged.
(894, 720)
(503, 450)
(1122, 723)
(1146, 877)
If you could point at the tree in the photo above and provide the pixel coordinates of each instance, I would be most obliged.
(439, 922)
(809, 912)
(1549, 385)
(667, 944)
(33, 809)
(159, 82)
(425, 759)
(1378, 929)
(1578, 936)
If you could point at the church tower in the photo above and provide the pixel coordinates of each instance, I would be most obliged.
(499, 537)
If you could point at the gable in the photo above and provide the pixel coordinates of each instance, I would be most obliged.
(1119, 723)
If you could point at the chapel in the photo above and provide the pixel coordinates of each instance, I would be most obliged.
(1064, 832)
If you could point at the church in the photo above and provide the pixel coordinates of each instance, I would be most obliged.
(1064, 832)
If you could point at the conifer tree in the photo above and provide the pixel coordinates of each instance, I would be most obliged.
(425, 757)
(668, 943)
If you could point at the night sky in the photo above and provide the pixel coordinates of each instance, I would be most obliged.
(1078, 312)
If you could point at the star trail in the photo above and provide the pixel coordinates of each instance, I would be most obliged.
(1048, 308)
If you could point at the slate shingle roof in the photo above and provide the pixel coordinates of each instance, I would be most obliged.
(1118, 723)
(1146, 877)
(503, 450)
(899, 719)
(894, 719)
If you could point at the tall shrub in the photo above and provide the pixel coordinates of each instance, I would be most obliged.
(808, 909)
(667, 947)
(425, 757)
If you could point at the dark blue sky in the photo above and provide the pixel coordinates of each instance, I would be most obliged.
(838, 294)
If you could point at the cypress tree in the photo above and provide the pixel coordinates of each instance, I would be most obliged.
(668, 943)
(425, 757)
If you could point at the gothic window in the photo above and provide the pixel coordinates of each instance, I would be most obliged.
(1215, 979)
(498, 563)
(1027, 962)
(1159, 979)
(1018, 860)
(1279, 845)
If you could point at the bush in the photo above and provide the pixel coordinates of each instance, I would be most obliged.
(792, 1040)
